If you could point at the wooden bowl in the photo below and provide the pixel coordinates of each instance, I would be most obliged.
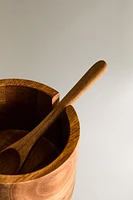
(23, 104)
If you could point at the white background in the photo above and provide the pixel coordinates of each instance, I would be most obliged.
(55, 42)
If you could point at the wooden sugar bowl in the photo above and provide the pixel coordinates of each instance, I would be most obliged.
(49, 170)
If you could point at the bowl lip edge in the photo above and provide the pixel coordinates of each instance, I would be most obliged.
(10, 179)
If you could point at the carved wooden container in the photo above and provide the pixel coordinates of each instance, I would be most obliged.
(51, 176)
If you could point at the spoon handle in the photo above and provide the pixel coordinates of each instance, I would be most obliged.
(85, 82)
(24, 145)
(81, 86)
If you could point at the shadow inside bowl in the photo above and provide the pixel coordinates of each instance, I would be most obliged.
(21, 109)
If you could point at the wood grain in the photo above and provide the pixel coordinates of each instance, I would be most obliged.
(54, 181)
(24, 145)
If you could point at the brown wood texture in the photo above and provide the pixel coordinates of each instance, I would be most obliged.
(24, 145)
(54, 177)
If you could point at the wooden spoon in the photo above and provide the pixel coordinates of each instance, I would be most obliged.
(13, 157)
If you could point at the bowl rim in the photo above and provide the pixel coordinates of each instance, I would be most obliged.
(72, 140)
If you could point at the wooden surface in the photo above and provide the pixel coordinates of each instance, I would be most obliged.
(47, 181)
(24, 145)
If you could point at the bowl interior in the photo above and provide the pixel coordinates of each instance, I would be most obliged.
(22, 107)
(21, 110)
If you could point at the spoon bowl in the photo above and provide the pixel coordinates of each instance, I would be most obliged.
(8, 137)
(13, 158)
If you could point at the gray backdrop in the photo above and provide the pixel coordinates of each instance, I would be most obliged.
(55, 42)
